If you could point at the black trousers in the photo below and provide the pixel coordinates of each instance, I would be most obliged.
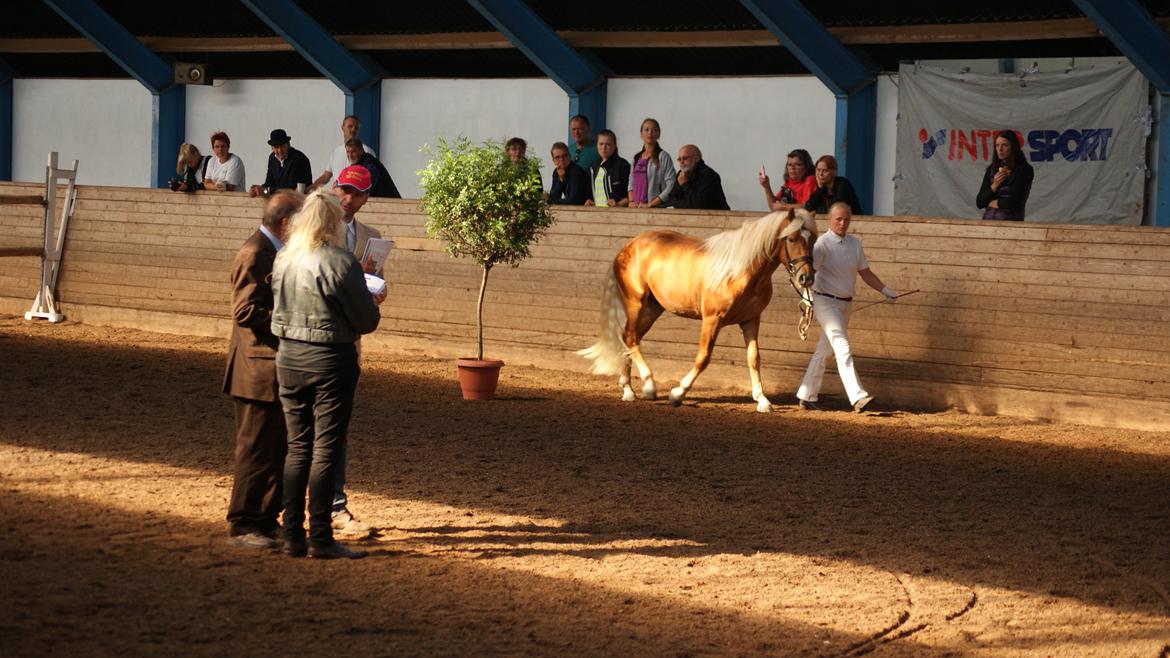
(261, 443)
(317, 408)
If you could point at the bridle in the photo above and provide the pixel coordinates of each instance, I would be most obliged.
(793, 265)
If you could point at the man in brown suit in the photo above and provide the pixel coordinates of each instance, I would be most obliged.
(261, 439)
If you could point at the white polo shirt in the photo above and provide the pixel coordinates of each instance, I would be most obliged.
(230, 172)
(339, 161)
(837, 261)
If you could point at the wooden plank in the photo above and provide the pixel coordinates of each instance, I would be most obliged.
(22, 199)
(20, 251)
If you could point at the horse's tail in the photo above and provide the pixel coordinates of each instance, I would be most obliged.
(609, 353)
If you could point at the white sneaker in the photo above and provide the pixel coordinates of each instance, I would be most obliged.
(345, 525)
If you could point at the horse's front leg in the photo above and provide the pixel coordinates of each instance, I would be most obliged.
(751, 334)
(707, 338)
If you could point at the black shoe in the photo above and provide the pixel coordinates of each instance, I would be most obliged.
(295, 546)
(861, 404)
(252, 540)
(807, 405)
(335, 551)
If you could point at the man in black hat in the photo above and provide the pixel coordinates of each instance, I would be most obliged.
(287, 167)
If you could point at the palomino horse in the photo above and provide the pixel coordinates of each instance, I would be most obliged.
(725, 279)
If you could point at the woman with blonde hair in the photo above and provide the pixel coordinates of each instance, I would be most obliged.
(189, 169)
(321, 306)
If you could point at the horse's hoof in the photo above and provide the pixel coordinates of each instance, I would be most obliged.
(628, 395)
(649, 391)
(676, 396)
(764, 406)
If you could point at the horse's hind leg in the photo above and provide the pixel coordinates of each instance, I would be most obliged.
(641, 315)
(707, 338)
(624, 383)
(751, 333)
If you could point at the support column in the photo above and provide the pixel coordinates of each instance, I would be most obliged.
(361, 85)
(169, 110)
(592, 104)
(856, 140)
(167, 132)
(1128, 25)
(851, 81)
(583, 82)
(366, 104)
(1162, 182)
(6, 86)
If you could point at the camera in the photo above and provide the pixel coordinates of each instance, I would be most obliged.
(174, 184)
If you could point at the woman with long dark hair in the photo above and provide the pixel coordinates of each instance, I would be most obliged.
(652, 172)
(1007, 182)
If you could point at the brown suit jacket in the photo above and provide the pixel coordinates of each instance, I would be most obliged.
(362, 234)
(251, 364)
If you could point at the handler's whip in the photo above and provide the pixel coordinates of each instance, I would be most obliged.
(883, 301)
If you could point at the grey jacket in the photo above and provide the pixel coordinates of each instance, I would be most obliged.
(321, 297)
(660, 179)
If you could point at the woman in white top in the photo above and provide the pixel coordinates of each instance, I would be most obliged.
(225, 171)
(652, 173)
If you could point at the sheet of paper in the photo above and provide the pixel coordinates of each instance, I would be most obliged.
(375, 285)
(377, 249)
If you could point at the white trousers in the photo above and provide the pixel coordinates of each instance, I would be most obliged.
(833, 316)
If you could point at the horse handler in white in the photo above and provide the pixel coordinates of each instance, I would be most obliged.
(838, 259)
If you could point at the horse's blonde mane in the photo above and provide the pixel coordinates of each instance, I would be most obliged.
(733, 252)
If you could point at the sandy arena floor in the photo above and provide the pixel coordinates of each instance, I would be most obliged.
(563, 522)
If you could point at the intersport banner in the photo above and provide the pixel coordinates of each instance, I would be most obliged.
(1083, 131)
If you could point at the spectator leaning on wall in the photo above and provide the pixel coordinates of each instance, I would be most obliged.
(287, 167)
(697, 186)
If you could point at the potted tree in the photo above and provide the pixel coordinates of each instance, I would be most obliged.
(489, 209)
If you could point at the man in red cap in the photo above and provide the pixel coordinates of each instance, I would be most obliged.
(353, 190)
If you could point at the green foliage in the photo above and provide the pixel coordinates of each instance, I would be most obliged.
(481, 205)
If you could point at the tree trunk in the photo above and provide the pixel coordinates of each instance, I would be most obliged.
(479, 308)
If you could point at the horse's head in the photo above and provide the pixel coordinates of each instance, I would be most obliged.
(797, 235)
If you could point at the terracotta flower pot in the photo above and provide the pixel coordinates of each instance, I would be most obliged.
(478, 377)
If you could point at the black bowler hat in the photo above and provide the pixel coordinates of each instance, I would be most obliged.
(278, 137)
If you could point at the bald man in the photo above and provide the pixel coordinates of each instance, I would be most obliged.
(261, 440)
(697, 185)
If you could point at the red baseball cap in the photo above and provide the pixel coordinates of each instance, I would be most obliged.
(355, 176)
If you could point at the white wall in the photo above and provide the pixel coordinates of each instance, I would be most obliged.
(416, 111)
(885, 162)
(104, 124)
(310, 111)
(738, 123)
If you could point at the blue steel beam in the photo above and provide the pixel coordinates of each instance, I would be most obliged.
(1129, 26)
(169, 111)
(362, 86)
(851, 81)
(5, 123)
(1162, 191)
(856, 141)
(116, 41)
(581, 80)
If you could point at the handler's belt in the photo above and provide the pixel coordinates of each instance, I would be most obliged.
(840, 299)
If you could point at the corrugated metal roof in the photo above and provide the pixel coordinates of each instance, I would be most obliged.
(214, 19)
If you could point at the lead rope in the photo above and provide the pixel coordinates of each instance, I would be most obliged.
(806, 317)
(806, 310)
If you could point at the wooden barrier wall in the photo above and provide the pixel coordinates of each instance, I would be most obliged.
(1035, 320)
